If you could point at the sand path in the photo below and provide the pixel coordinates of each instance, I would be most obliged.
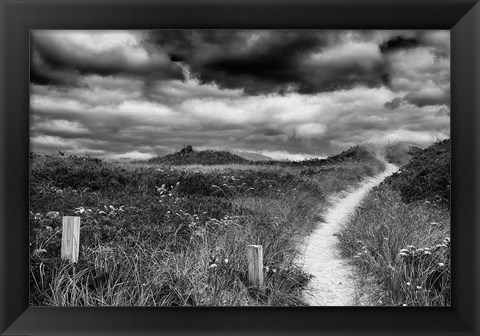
(332, 284)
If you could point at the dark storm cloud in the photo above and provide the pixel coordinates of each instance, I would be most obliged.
(44, 74)
(57, 61)
(268, 61)
(257, 61)
(399, 42)
(275, 63)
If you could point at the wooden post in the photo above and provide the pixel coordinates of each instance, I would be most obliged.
(70, 238)
(255, 265)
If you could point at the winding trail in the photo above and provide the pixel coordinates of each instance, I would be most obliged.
(332, 284)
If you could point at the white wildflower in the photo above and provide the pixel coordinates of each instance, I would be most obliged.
(39, 251)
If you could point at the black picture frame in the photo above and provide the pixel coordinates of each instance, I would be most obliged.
(17, 17)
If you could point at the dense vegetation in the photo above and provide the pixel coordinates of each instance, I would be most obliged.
(426, 176)
(400, 236)
(163, 235)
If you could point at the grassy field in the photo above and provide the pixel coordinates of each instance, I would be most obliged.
(160, 235)
(399, 238)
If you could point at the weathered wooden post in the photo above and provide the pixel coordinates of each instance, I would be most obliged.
(255, 265)
(70, 238)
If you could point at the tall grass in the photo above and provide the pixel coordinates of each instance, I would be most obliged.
(166, 236)
(402, 251)
(399, 238)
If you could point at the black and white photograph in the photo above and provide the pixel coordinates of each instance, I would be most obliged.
(226, 167)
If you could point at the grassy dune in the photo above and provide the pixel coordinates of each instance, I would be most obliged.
(399, 237)
(162, 235)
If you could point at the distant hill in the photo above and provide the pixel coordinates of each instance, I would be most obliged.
(356, 153)
(426, 176)
(400, 152)
(251, 156)
(211, 157)
(208, 157)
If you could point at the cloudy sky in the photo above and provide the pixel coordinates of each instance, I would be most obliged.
(287, 94)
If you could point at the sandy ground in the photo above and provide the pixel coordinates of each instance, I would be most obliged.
(333, 284)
